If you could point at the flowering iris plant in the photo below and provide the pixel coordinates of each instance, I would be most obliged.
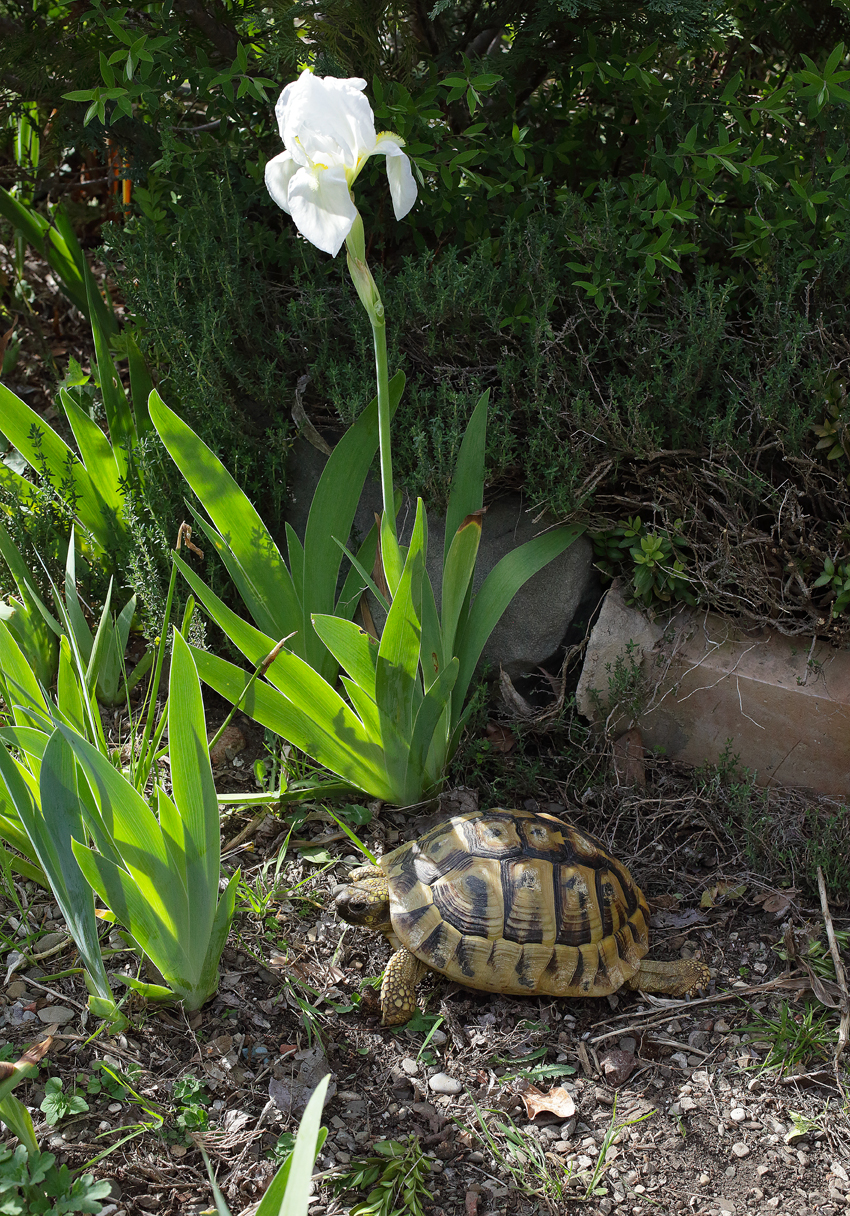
(328, 129)
(392, 721)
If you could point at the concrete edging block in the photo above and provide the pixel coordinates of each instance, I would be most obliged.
(704, 680)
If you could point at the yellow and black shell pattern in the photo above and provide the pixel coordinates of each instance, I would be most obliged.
(517, 902)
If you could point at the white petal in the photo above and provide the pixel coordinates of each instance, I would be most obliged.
(402, 182)
(279, 173)
(330, 120)
(320, 203)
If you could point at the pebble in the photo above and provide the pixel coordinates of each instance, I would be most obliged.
(584, 1162)
(628, 1044)
(410, 1066)
(442, 1083)
(739, 1149)
(687, 1103)
(50, 940)
(16, 990)
(704, 1180)
(738, 1115)
(679, 1059)
(57, 1013)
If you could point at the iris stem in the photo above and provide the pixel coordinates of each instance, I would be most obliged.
(379, 334)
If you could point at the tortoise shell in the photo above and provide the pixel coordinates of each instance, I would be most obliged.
(516, 902)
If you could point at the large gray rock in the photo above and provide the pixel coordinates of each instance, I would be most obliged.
(535, 623)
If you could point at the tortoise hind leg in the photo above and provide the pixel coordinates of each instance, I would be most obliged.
(398, 990)
(682, 977)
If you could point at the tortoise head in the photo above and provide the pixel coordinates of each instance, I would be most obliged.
(366, 900)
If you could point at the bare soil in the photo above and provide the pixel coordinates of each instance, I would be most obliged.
(698, 1124)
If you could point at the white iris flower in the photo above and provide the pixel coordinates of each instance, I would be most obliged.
(328, 130)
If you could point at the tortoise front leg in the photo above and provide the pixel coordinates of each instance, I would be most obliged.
(682, 977)
(398, 991)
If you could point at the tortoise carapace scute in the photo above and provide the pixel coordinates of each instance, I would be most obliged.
(518, 902)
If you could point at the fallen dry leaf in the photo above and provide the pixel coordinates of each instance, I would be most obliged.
(776, 903)
(500, 738)
(557, 1101)
(720, 893)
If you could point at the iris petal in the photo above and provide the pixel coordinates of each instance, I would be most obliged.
(399, 174)
(279, 172)
(320, 203)
(329, 119)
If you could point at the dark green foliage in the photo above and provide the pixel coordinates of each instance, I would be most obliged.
(632, 226)
(575, 386)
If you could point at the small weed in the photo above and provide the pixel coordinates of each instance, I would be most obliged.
(526, 1068)
(658, 561)
(612, 1132)
(191, 1100)
(283, 1147)
(628, 690)
(395, 1179)
(31, 1182)
(794, 1038)
(836, 576)
(58, 1105)
(111, 1083)
(525, 1159)
(817, 954)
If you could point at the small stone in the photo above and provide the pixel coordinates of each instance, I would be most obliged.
(229, 745)
(704, 1180)
(442, 1083)
(730, 1171)
(178, 1150)
(56, 1013)
(438, 1038)
(410, 1066)
(687, 1103)
(739, 1149)
(761, 1170)
(839, 1171)
(738, 1115)
(721, 1027)
(50, 940)
(584, 1162)
(697, 1038)
(802, 1157)
(679, 1059)
(114, 1108)
(16, 990)
(628, 1044)
(476, 1158)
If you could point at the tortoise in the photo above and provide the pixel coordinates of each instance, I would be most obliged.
(512, 902)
